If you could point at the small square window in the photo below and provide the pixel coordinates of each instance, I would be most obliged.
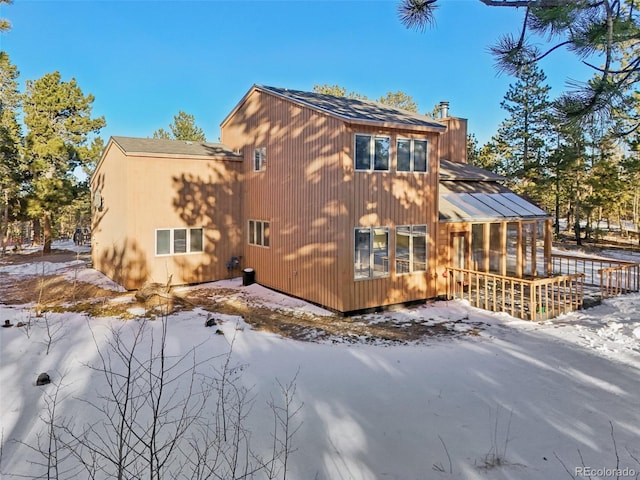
(411, 155)
(258, 233)
(372, 152)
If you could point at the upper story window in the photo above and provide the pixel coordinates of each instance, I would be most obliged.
(259, 159)
(372, 152)
(412, 155)
(172, 241)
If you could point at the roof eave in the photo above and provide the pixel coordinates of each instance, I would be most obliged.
(110, 142)
(253, 88)
(185, 156)
(393, 125)
(493, 219)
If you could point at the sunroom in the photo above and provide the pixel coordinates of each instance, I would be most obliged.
(498, 250)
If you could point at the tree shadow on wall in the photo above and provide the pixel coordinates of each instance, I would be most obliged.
(211, 200)
(126, 265)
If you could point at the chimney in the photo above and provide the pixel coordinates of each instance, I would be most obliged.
(444, 109)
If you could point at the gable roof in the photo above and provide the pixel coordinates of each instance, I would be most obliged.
(351, 110)
(163, 146)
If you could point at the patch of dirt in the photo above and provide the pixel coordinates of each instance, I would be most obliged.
(56, 256)
(304, 326)
(57, 293)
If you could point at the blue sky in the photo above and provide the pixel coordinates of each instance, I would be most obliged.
(145, 60)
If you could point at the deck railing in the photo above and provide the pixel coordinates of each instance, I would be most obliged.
(537, 299)
(614, 277)
(619, 280)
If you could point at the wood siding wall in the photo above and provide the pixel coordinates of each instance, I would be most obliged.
(145, 193)
(453, 142)
(313, 199)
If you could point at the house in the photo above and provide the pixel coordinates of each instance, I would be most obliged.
(346, 203)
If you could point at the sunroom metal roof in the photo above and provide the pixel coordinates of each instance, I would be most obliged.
(484, 202)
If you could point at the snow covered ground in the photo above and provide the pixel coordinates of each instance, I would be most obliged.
(519, 400)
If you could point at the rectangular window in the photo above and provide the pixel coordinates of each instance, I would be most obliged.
(362, 259)
(372, 152)
(196, 240)
(411, 155)
(512, 248)
(411, 249)
(403, 153)
(252, 232)
(258, 233)
(180, 240)
(478, 256)
(259, 159)
(381, 153)
(495, 248)
(371, 252)
(419, 248)
(173, 241)
(163, 242)
(363, 152)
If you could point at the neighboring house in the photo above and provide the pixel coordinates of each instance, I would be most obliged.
(346, 203)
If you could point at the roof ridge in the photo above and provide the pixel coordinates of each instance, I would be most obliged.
(355, 109)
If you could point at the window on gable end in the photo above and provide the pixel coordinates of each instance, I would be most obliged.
(371, 152)
(411, 155)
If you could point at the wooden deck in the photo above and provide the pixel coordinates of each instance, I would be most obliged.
(544, 298)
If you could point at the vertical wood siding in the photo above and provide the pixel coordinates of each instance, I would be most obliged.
(314, 199)
(454, 140)
(300, 193)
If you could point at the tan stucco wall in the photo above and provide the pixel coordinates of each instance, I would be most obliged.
(142, 193)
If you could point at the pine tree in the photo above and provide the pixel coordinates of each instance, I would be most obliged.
(399, 100)
(183, 128)
(526, 131)
(11, 171)
(58, 119)
(5, 25)
(607, 28)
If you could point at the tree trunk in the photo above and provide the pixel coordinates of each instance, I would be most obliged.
(4, 223)
(557, 224)
(576, 219)
(36, 231)
(46, 247)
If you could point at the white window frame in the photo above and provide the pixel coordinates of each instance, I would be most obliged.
(189, 232)
(258, 233)
(411, 260)
(384, 261)
(260, 159)
(372, 152)
(412, 154)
